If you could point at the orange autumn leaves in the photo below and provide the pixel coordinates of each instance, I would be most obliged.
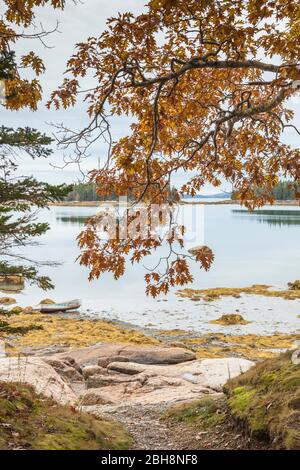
(17, 23)
(206, 85)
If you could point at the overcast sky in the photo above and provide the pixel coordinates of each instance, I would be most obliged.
(76, 23)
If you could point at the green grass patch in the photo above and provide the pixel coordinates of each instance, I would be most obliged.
(206, 412)
(266, 400)
(30, 421)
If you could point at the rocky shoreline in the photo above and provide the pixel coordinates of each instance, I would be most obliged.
(121, 381)
(34, 334)
(136, 376)
(166, 398)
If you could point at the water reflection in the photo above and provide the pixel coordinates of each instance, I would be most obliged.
(11, 283)
(246, 253)
(271, 216)
(72, 219)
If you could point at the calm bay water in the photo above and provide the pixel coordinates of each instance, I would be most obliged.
(258, 248)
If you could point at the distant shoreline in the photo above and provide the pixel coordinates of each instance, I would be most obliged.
(230, 201)
(196, 202)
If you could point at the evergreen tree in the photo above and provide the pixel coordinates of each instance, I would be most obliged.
(21, 197)
(283, 191)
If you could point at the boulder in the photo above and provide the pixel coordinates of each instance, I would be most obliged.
(145, 375)
(216, 372)
(40, 375)
(41, 351)
(104, 361)
(101, 352)
(104, 380)
(209, 373)
(71, 362)
(167, 383)
(130, 368)
(71, 374)
(149, 391)
(56, 364)
(90, 355)
(92, 370)
(96, 396)
(158, 355)
(68, 369)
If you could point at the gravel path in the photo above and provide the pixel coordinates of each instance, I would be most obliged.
(145, 424)
(151, 432)
(146, 427)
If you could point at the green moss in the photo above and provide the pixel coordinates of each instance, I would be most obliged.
(266, 399)
(269, 377)
(242, 399)
(34, 422)
(205, 412)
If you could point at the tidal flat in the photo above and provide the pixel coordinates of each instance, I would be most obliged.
(32, 333)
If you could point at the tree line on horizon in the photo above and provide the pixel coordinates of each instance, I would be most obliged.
(88, 192)
(283, 191)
